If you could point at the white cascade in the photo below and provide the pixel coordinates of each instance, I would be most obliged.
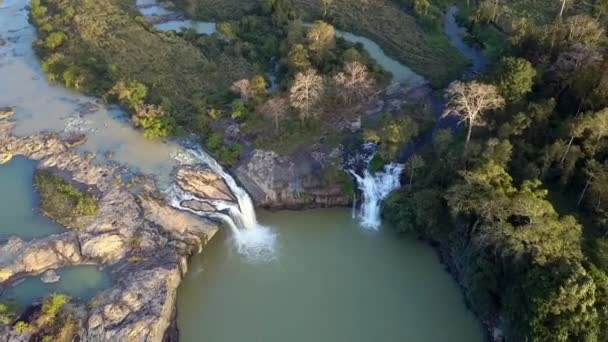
(374, 189)
(254, 241)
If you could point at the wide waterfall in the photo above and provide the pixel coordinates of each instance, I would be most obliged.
(254, 241)
(374, 189)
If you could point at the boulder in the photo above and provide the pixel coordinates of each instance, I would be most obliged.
(203, 183)
(6, 112)
(50, 276)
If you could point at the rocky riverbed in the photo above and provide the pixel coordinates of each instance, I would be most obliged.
(141, 240)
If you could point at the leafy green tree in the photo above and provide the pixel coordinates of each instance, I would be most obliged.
(298, 59)
(55, 40)
(154, 121)
(321, 39)
(239, 110)
(394, 134)
(556, 303)
(131, 94)
(8, 311)
(326, 6)
(52, 305)
(421, 7)
(514, 78)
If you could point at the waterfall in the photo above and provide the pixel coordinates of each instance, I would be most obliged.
(254, 241)
(375, 188)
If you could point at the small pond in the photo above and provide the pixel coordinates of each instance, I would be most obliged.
(80, 282)
(19, 202)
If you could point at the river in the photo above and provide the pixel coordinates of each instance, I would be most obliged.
(329, 280)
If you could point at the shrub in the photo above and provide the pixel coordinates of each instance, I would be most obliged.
(62, 201)
(239, 110)
(8, 311)
(22, 327)
(52, 305)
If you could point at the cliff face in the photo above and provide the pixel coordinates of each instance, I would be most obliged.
(293, 182)
(298, 180)
(142, 241)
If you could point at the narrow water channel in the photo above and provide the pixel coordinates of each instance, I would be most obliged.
(331, 281)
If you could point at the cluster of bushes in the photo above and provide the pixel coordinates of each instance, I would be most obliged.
(62, 201)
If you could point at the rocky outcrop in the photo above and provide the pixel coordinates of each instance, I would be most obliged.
(293, 182)
(18, 257)
(49, 277)
(142, 241)
(203, 183)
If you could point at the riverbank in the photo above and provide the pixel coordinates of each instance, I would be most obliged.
(141, 241)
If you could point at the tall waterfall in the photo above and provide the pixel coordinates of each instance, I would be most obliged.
(252, 240)
(375, 188)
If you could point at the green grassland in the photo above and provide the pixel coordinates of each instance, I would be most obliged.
(106, 42)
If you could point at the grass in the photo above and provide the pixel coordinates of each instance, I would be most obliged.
(427, 52)
(63, 202)
(107, 41)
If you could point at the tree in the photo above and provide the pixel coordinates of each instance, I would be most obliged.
(596, 127)
(276, 108)
(601, 8)
(321, 38)
(414, 163)
(421, 7)
(258, 86)
(514, 78)
(326, 5)
(306, 91)
(55, 40)
(562, 8)
(394, 134)
(154, 121)
(354, 82)
(243, 88)
(131, 94)
(298, 59)
(468, 101)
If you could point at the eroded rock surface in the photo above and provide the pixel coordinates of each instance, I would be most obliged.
(203, 183)
(144, 243)
(292, 182)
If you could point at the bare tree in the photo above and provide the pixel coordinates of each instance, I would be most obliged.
(561, 10)
(275, 108)
(468, 101)
(243, 88)
(354, 82)
(306, 92)
(414, 163)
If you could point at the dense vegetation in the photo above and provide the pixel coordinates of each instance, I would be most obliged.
(185, 82)
(414, 38)
(62, 201)
(520, 204)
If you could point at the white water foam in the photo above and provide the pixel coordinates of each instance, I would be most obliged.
(251, 239)
(375, 188)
